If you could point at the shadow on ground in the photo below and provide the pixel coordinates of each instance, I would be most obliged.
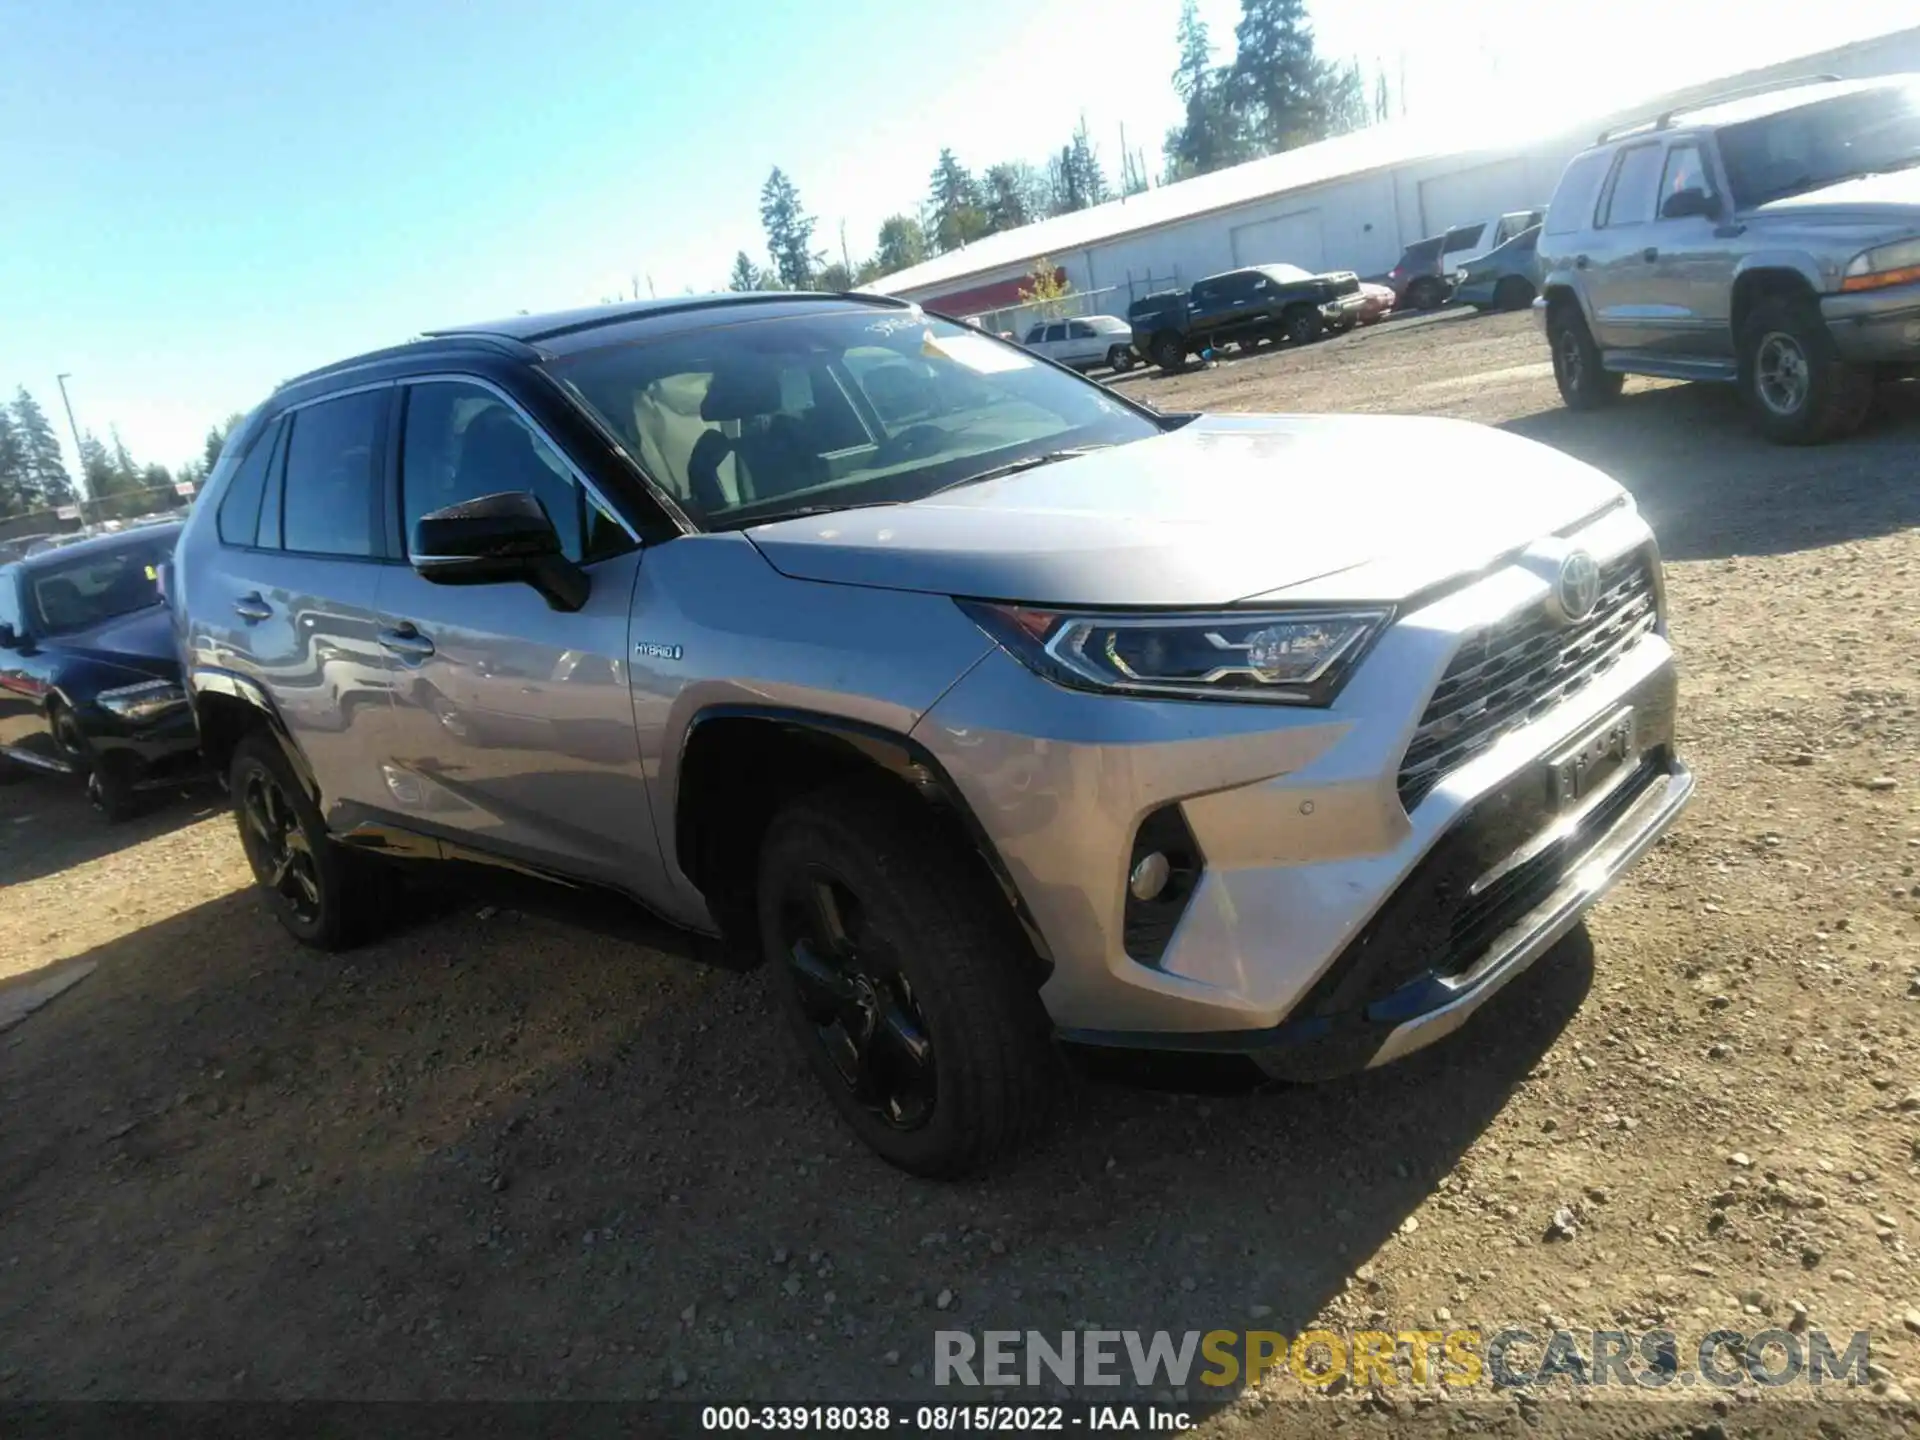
(1712, 487)
(46, 825)
(490, 1157)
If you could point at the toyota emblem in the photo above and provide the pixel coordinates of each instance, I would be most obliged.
(1577, 590)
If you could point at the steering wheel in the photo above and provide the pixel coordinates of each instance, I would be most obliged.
(911, 443)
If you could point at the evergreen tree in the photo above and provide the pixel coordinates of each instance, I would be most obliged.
(1212, 135)
(834, 276)
(15, 490)
(789, 232)
(903, 243)
(746, 275)
(96, 466)
(126, 474)
(1286, 93)
(956, 215)
(48, 483)
(217, 437)
(1074, 175)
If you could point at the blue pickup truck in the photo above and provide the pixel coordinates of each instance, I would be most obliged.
(1261, 302)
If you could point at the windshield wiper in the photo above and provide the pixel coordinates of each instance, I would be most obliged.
(1014, 467)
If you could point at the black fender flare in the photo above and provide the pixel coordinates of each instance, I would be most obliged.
(204, 680)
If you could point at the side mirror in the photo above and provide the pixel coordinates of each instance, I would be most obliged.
(498, 539)
(1682, 204)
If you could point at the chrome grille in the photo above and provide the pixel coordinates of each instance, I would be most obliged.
(1517, 669)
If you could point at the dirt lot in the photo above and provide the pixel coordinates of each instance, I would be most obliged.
(491, 1157)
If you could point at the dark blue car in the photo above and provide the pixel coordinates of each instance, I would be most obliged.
(89, 681)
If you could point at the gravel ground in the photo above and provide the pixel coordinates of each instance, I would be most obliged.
(491, 1157)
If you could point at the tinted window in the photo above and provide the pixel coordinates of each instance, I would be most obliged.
(239, 516)
(1686, 170)
(897, 405)
(1036, 335)
(97, 585)
(1079, 330)
(1056, 332)
(1636, 181)
(327, 499)
(463, 441)
(1869, 132)
(1572, 206)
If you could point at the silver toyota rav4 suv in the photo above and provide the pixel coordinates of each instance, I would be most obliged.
(1770, 239)
(986, 706)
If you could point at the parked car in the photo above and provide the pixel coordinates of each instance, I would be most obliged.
(844, 674)
(1505, 278)
(1769, 239)
(1244, 307)
(1376, 302)
(19, 545)
(1085, 343)
(1423, 279)
(89, 682)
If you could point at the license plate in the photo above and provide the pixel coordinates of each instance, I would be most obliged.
(1587, 764)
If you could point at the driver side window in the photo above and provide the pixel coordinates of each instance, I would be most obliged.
(463, 441)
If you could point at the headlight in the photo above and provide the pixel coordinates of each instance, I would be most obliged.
(1286, 657)
(145, 701)
(1896, 264)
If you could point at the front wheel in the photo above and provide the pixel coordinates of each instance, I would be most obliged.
(1797, 387)
(1120, 358)
(1302, 325)
(321, 894)
(1169, 352)
(1515, 292)
(1585, 384)
(110, 791)
(899, 968)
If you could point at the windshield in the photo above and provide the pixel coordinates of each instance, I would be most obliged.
(750, 422)
(1859, 134)
(89, 589)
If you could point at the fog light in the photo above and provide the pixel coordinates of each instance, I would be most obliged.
(1149, 877)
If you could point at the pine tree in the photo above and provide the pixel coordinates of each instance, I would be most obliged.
(1285, 91)
(1075, 177)
(746, 274)
(789, 232)
(1014, 196)
(96, 466)
(955, 210)
(14, 486)
(48, 483)
(1212, 135)
(903, 243)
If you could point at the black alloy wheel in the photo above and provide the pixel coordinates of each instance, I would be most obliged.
(862, 1008)
(278, 848)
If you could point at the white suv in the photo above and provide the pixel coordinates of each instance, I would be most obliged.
(1085, 343)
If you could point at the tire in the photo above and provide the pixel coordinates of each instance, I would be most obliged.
(110, 792)
(322, 895)
(867, 911)
(1799, 390)
(1515, 292)
(1120, 359)
(1426, 293)
(1303, 325)
(1584, 384)
(1169, 352)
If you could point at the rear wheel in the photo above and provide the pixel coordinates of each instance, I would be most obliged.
(1797, 387)
(1302, 325)
(1120, 358)
(1585, 384)
(1169, 351)
(1513, 293)
(322, 894)
(1426, 293)
(900, 971)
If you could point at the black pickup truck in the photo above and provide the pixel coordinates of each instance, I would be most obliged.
(1261, 302)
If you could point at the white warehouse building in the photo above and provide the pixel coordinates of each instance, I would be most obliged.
(1350, 203)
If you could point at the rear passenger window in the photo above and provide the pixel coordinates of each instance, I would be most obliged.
(327, 501)
(239, 517)
(1636, 184)
(1572, 206)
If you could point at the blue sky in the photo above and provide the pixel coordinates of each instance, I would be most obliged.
(200, 199)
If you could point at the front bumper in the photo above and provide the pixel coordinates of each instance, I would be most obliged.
(1307, 845)
(1876, 326)
(1343, 308)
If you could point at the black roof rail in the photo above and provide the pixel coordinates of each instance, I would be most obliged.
(1664, 121)
(476, 340)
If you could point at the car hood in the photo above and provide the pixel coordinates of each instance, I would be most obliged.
(142, 641)
(1226, 508)
(1892, 197)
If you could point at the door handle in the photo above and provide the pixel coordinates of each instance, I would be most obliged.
(406, 642)
(251, 607)
(1650, 254)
